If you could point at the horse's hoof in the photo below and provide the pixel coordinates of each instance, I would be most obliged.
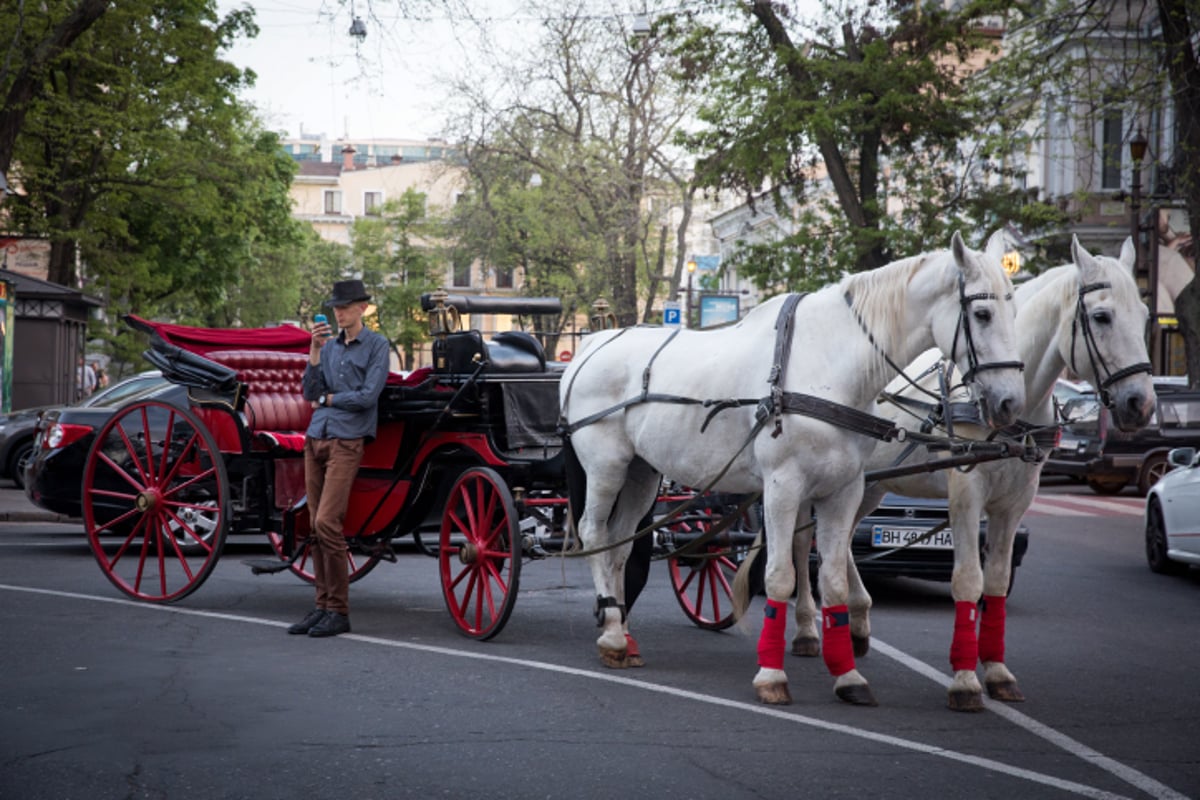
(862, 645)
(634, 660)
(616, 659)
(857, 694)
(964, 700)
(1006, 691)
(809, 646)
(774, 694)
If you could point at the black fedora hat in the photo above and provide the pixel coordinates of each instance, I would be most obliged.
(347, 292)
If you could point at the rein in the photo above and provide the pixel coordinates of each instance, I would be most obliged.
(1082, 323)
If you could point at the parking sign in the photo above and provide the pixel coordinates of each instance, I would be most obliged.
(671, 315)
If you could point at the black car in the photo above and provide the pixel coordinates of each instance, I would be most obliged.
(899, 520)
(18, 429)
(1094, 450)
(54, 475)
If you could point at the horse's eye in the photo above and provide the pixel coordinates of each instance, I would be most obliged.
(983, 315)
(1102, 318)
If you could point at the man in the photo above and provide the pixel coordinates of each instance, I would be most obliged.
(86, 380)
(343, 380)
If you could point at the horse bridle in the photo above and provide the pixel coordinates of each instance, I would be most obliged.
(1082, 322)
(964, 327)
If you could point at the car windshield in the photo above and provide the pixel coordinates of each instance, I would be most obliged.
(127, 390)
(1085, 408)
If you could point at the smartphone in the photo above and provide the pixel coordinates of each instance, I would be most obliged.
(322, 319)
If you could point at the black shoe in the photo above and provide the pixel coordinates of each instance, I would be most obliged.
(310, 619)
(331, 624)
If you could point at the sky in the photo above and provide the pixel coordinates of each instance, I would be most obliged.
(313, 75)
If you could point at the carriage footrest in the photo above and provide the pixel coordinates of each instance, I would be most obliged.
(266, 565)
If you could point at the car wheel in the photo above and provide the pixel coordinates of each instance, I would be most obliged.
(1106, 484)
(17, 461)
(1156, 543)
(1152, 471)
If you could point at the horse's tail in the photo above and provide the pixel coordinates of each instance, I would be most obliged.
(740, 590)
(576, 482)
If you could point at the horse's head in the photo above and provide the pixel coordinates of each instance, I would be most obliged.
(975, 327)
(1106, 342)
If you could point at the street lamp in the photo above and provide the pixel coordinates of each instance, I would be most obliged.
(691, 271)
(1137, 152)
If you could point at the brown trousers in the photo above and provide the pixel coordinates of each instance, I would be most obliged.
(330, 466)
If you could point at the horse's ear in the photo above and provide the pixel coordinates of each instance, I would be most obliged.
(997, 243)
(1128, 254)
(959, 248)
(1084, 260)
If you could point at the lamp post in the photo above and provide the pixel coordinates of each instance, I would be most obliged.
(1137, 152)
(691, 271)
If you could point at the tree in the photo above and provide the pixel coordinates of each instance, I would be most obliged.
(591, 111)
(397, 254)
(1135, 62)
(36, 37)
(864, 121)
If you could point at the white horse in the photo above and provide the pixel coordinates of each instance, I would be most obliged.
(632, 409)
(1087, 315)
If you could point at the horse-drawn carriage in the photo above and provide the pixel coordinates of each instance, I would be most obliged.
(467, 459)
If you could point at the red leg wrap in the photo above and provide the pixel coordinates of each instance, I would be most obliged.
(964, 649)
(991, 628)
(771, 641)
(836, 647)
(631, 648)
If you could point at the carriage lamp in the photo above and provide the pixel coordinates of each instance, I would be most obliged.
(443, 319)
(602, 318)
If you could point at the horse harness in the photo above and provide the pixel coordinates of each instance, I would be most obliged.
(778, 401)
(1082, 323)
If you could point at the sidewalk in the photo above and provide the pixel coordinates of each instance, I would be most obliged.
(16, 507)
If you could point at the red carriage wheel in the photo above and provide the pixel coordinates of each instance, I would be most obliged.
(479, 553)
(703, 582)
(155, 501)
(359, 564)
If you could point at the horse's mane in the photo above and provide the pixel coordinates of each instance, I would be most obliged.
(874, 296)
(1065, 278)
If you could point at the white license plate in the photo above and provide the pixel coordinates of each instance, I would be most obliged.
(884, 536)
(1068, 444)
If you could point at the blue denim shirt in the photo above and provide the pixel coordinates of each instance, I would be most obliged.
(354, 373)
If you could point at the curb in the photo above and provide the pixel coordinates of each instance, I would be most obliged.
(34, 515)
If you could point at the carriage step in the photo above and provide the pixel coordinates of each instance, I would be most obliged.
(266, 565)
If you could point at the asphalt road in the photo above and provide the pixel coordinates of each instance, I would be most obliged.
(101, 697)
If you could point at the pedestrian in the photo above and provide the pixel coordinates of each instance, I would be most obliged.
(343, 380)
(85, 380)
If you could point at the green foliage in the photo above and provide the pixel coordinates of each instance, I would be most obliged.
(138, 161)
(860, 124)
(397, 254)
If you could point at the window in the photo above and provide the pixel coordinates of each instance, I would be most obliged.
(333, 202)
(462, 270)
(504, 277)
(372, 203)
(1112, 147)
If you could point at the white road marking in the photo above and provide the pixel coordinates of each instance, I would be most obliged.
(1078, 749)
(1082, 506)
(1128, 774)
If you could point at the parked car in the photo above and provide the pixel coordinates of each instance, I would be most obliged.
(1173, 515)
(17, 430)
(899, 520)
(1096, 451)
(54, 475)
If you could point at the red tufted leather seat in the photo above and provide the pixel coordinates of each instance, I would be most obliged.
(274, 403)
